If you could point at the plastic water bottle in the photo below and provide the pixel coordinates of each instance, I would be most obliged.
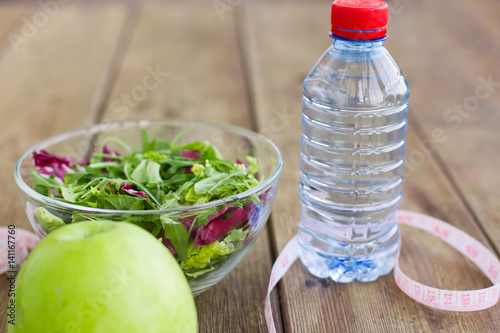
(355, 104)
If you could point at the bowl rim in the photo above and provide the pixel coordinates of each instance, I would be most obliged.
(100, 127)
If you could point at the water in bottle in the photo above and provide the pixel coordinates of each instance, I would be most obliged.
(355, 104)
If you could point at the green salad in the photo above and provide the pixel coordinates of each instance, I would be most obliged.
(158, 176)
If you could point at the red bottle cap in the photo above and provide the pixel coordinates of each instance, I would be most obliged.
(359, 19)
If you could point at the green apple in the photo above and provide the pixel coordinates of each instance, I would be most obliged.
(102, 277)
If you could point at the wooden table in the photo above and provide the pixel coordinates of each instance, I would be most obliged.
(74, 63)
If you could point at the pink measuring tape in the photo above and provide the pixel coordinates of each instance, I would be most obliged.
(451, 300)
(15, 245)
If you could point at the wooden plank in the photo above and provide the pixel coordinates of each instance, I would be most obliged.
(10, 14)
(201, 79)
(458, 59)
(43, 96)
(54, 82)
(282, 49)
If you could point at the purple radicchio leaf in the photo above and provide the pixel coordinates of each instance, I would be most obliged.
(52, 165)
(253, 212)
(168, 244)
(216, 227)
(186, 222)
(191, 154)
(108, 151)
(127, 188)
(266, 195)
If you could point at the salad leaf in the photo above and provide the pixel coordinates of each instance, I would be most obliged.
(48, 221)
(253, 168)
(169, 201)
(71, 193)
(203, 218)
(118, 202)
(112, 154)
(52, 165)
(205, 149)
(152, 224)
(177, 234)
(197, 273)
(197, 169)
(236, 235)
(44, 159)
(154, 145)
(147, 171)
(126, 187)
(196, 199)
(202, 256)
(190, 154)
(220, 224)
(175, 164)
(217, 182)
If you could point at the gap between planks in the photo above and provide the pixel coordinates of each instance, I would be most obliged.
(441, 165)
(125, 38)
(238, 17)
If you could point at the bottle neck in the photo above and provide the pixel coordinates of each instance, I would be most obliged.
(357, 44)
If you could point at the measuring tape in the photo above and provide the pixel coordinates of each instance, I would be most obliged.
(451, 300)
(15, 245)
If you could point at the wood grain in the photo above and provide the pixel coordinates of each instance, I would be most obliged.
(202, 79)
(454, 63)
(281, 55)
(50, 85)
(10, 14)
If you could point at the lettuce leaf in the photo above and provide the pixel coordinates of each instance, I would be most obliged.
(236, 235)
(48, 221)
(199, 257)
(147, 171)
(253, 167)
(197, 273)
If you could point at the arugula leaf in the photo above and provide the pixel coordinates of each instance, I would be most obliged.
(43, 181)
(150, 223)
(175, 164)
(205, 185)
(118, 202)
(138, 205)
(201, 219)
(219, 182)
(177, 234)
(178, 180)
(71, 193)
(169, 201)
(154, 145)
(72, 177)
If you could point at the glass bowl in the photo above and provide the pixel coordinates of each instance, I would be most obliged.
(233, 143)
